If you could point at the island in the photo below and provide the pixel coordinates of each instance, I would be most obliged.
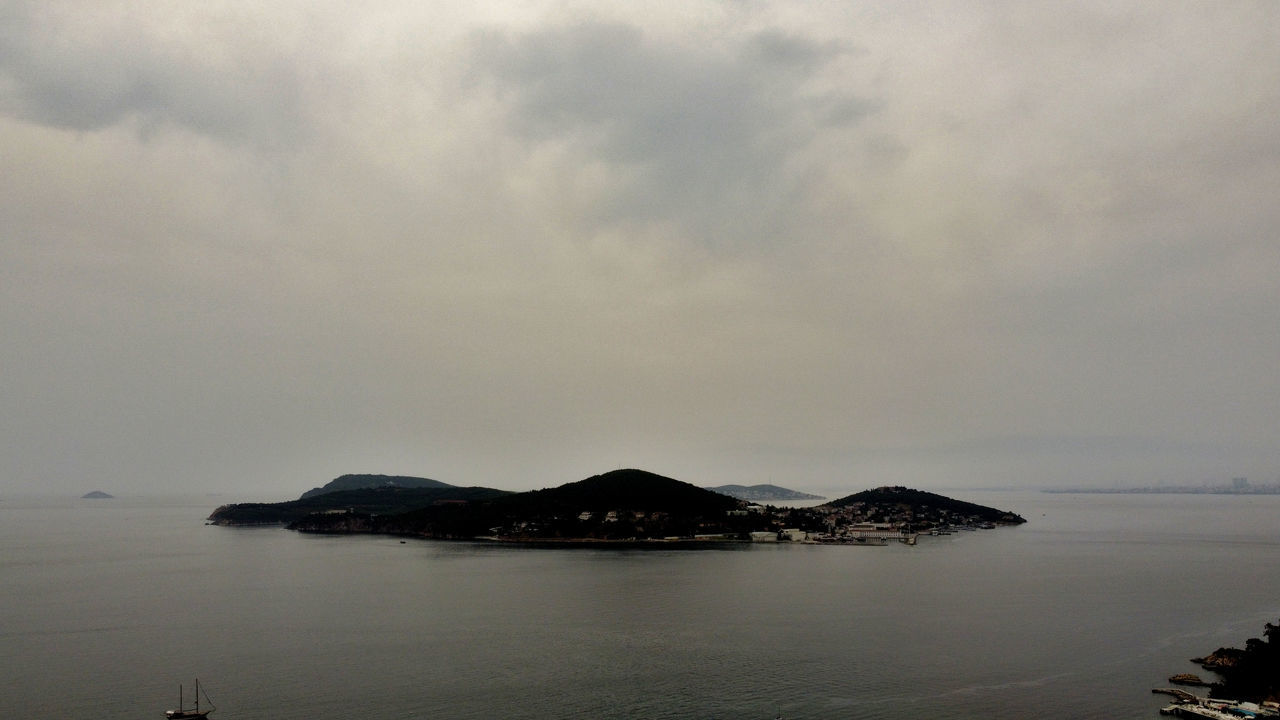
(97, 495)
(621, 506)
(920, 510)
(368, 482)
(760, 493)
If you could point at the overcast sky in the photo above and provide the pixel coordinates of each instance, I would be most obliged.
(248, 247)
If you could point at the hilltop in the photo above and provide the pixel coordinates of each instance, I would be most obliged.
(363, 482)
(388, 500)
(763, 493)
(925, 507)
(623, 504)
(636, 489)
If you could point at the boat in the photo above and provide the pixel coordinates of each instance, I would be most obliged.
(1208, 710)
(1204, 711)
(182, 713)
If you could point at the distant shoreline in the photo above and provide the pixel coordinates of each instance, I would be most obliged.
(624, 544)
(1254, 490)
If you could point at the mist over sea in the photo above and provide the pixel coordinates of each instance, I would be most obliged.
(107, 605)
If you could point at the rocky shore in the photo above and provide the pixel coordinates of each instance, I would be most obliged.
(1249, 675)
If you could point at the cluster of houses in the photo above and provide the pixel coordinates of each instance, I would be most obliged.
(856, 523)
(862, 523)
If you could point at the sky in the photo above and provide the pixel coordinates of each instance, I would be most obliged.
(248, 247)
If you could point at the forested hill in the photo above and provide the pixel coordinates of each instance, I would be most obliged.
(920, 499)
(617, 504)
(388, 500)
(360, 482)
(631, 489)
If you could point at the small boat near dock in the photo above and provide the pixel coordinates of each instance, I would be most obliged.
(1188, 705)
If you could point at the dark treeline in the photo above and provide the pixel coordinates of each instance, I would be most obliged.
(1252, 673)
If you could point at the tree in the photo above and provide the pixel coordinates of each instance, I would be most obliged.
(1255, 676)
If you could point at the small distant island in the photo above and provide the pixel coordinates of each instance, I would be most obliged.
(763, 493)
(622, 506)
(96, 495)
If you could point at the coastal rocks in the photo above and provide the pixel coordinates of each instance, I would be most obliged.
(1188, 679)
(1220, 658)
(1249, 675)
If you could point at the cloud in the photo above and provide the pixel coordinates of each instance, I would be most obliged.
(518, 244)
(703, 135)
(88, 67)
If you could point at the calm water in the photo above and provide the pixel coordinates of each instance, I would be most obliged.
(106, 606)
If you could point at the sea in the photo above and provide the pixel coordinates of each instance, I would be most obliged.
(108, 606)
